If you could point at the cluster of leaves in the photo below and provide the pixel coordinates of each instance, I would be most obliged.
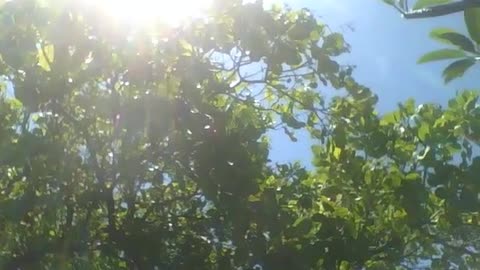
(465, 50)
(147, 148)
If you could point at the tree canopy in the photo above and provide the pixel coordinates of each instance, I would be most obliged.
(148, 148)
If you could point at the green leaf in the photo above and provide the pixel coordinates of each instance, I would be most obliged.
(334, 44)
(390, 118)
(428, 3)
(457, 69)
(337, 152)
(345, 265)
(327, 65)
(253, 198)
(423, 131)
(328, 206)
(300, 30)
(412, 176)
(396, 181)
(288, 54)
(302, 226)
(291, 121)
(449, 36)
(472, 21)
(45, 57)
(290, 134)
(442, 54)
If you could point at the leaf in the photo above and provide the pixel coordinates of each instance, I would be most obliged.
(300, 30)
(412, 176)
(253, 198)
(442, 54)
(472, 21)
(457, 69)
(396, 181)
(337, 152)
(45, 57)
(390, 118)
(302, 226)
(449, 36)
(327, 65)
(423, 131)
(345, 265)
(287, 54)
(428, 3)
(470, 103)
(334, 44)
(291, 121)
(290, 134)
(328, 207)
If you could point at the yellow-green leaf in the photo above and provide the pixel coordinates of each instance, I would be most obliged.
(337, 152)
(423, 131)
(45, 57)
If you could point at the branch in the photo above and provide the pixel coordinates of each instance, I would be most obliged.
(440, 10)
(107, 192)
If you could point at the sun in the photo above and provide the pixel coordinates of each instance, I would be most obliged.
(144, 12)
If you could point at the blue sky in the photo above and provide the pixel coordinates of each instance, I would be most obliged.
(385, 48)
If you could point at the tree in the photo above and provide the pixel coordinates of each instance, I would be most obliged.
(458, 248)
(128, 148)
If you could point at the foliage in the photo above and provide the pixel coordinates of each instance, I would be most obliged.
(128, 148)
(466, 48)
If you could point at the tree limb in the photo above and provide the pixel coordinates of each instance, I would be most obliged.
(439, 10)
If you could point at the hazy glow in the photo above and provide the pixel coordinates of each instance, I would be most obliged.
(143, 12)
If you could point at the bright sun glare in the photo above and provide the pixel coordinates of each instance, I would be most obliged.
(141, 12)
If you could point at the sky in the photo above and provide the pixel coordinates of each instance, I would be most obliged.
(385, 48)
